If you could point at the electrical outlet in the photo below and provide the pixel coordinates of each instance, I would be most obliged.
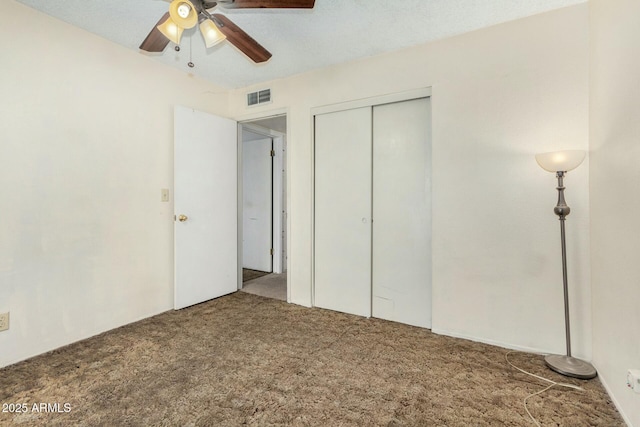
(633, 380)
(4, 321)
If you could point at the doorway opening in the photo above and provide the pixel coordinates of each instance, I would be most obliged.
(262, 207)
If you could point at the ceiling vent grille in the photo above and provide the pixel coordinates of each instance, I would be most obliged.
(259, 97)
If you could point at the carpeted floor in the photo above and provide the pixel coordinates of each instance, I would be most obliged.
(248, 274)
(248, 360)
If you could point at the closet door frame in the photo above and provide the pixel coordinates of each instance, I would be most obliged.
(348, 105)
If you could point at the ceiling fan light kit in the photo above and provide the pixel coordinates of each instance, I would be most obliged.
(171, 30)
(184, 14)
(210, 32)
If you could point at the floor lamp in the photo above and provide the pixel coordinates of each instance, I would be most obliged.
(560, 162)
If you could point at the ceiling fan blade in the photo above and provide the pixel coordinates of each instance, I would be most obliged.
(241, 40)
(272, 4)
(155, 40)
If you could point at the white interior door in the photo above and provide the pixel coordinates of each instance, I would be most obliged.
(342, 268)
(401, 252)
(205, 197)
(257, 195)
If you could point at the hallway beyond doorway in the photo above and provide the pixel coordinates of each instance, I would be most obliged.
(272, 285)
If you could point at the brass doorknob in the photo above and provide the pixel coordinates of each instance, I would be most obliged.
(183, 218)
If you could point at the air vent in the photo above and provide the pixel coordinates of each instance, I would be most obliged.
(259, 97)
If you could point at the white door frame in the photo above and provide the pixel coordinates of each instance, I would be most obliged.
(348, 105)
(281, 162)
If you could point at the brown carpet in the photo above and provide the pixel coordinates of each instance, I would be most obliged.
(248, 360)
(248, 274)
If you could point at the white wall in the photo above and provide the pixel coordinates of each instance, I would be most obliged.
(86, 245)
(86, 142)
(615, 199)
(499, 96)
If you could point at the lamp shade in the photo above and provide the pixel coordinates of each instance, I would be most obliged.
(171, 31)
(183, 13)
(210, 32)
(561, 161)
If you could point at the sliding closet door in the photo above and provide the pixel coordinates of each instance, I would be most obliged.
(401, 252)
(342, 268)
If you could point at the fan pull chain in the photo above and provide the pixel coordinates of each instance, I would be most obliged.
(190, 63)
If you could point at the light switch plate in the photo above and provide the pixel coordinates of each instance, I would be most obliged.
(4, 321)
(164, 195)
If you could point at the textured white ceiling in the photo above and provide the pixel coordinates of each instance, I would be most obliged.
(335, 31)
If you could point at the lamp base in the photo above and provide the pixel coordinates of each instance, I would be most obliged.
(570, 366)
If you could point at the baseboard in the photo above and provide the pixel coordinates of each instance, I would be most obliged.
(491, 342)
(614, 400)
(87, 336)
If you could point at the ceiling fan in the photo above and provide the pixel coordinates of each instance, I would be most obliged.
(214, 27)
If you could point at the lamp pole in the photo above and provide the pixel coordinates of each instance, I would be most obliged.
(562, 210)
(566, 365)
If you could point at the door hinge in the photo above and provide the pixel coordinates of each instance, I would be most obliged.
(273, 153)
(271, 251)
